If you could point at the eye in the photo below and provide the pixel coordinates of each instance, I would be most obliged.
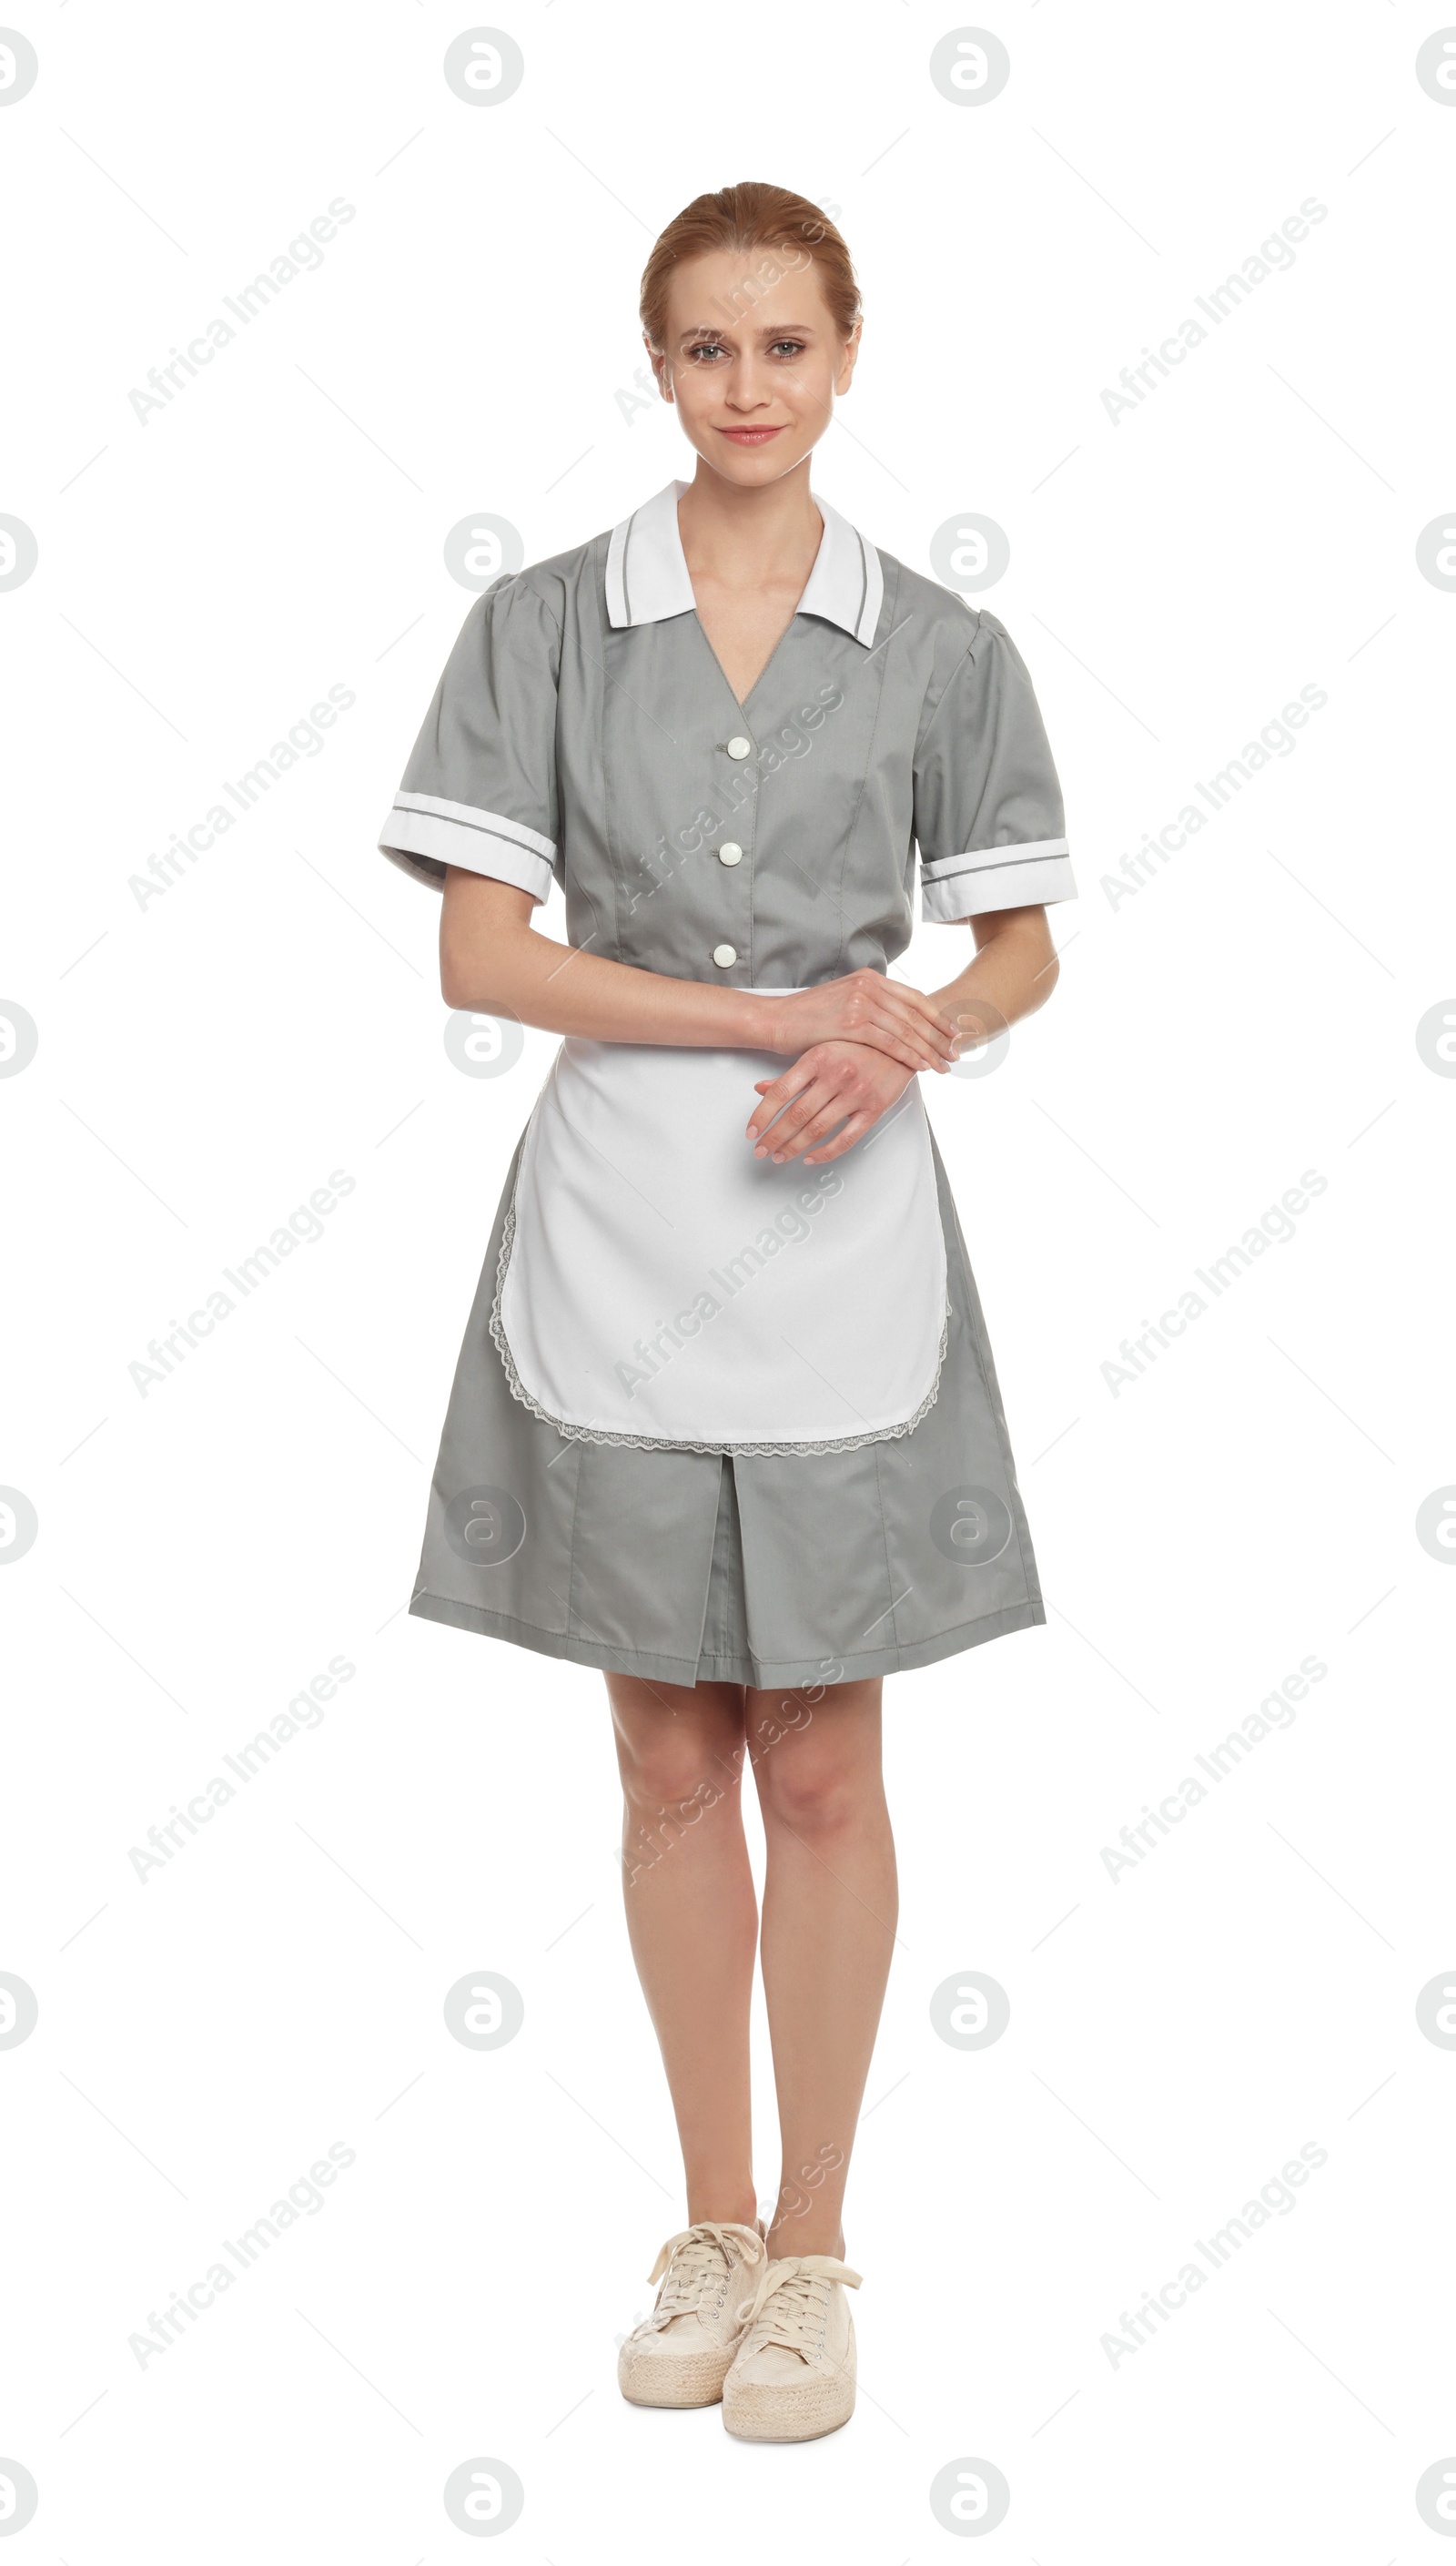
(703, 349)
(787, 347)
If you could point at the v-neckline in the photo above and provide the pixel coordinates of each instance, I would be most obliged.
(741, 703)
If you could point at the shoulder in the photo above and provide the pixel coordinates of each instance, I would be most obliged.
(553, 586)
(947, 627)
(934, 610)
(954, 643)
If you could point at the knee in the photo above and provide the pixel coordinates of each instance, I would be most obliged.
(807, 1785)
(675, 1774)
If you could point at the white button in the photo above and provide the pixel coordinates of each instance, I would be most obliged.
(740, 748)
(728, 854)
(725, 955)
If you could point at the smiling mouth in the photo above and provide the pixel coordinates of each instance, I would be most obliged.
(750, 435)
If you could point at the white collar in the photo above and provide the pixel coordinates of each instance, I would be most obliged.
(647, 578)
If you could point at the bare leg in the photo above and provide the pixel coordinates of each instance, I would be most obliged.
(829, 1917)
(692, 1919)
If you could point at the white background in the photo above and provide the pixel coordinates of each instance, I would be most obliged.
(206, 1060)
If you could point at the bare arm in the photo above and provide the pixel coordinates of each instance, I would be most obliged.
(1014, 970)
(844, 1084)
(495, 962)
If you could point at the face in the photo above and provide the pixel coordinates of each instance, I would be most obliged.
(752, 360)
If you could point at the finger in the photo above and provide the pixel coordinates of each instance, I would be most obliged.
(790, 1081)
(767, 1118)
(931, 1008)
(854, 1130)
(829, 1110)
(825, 1124)
(924, 1013)
(905, 1042)
(890, 1010)
(940, 1037)
(767, 1134)
(889, 1013)
(776, 1094)
(800, 1120)
(908, 1049)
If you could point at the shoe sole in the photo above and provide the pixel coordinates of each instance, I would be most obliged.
(789, 2413)
(662, 2380)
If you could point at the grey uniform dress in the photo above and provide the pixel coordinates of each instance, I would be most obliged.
(716, 1419)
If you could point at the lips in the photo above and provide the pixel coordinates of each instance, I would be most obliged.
(750, 435)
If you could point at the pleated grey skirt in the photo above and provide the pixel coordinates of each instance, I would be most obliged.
(705, 1567)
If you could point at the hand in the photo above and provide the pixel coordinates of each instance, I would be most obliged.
(867, 1007)
(831, 1082)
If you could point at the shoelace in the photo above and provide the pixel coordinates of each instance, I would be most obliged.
(694, 2260)
(790, 2301)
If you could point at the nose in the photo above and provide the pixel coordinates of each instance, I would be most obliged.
(747, 387)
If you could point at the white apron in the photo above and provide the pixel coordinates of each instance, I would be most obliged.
(659, 1285)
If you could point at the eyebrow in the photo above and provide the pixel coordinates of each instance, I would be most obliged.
(720, 330)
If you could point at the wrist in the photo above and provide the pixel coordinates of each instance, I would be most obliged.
(756, 1029)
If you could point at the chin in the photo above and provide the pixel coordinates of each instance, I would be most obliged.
(749, 466)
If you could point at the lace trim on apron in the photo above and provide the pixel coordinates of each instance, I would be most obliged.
(664, 1443)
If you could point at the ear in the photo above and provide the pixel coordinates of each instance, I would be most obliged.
(657, 360)
(846, 374)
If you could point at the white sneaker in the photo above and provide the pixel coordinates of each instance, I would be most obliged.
(680, 2354)
(793, 2376)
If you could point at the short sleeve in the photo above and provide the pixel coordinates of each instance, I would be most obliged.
(988, 821)
(480, 788)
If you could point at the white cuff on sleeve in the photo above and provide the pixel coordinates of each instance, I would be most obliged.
(1032, 876)
(423, 833)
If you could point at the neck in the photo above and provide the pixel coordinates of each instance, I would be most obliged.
(741, 535)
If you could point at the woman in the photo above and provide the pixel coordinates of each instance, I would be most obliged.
(725, 1423)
